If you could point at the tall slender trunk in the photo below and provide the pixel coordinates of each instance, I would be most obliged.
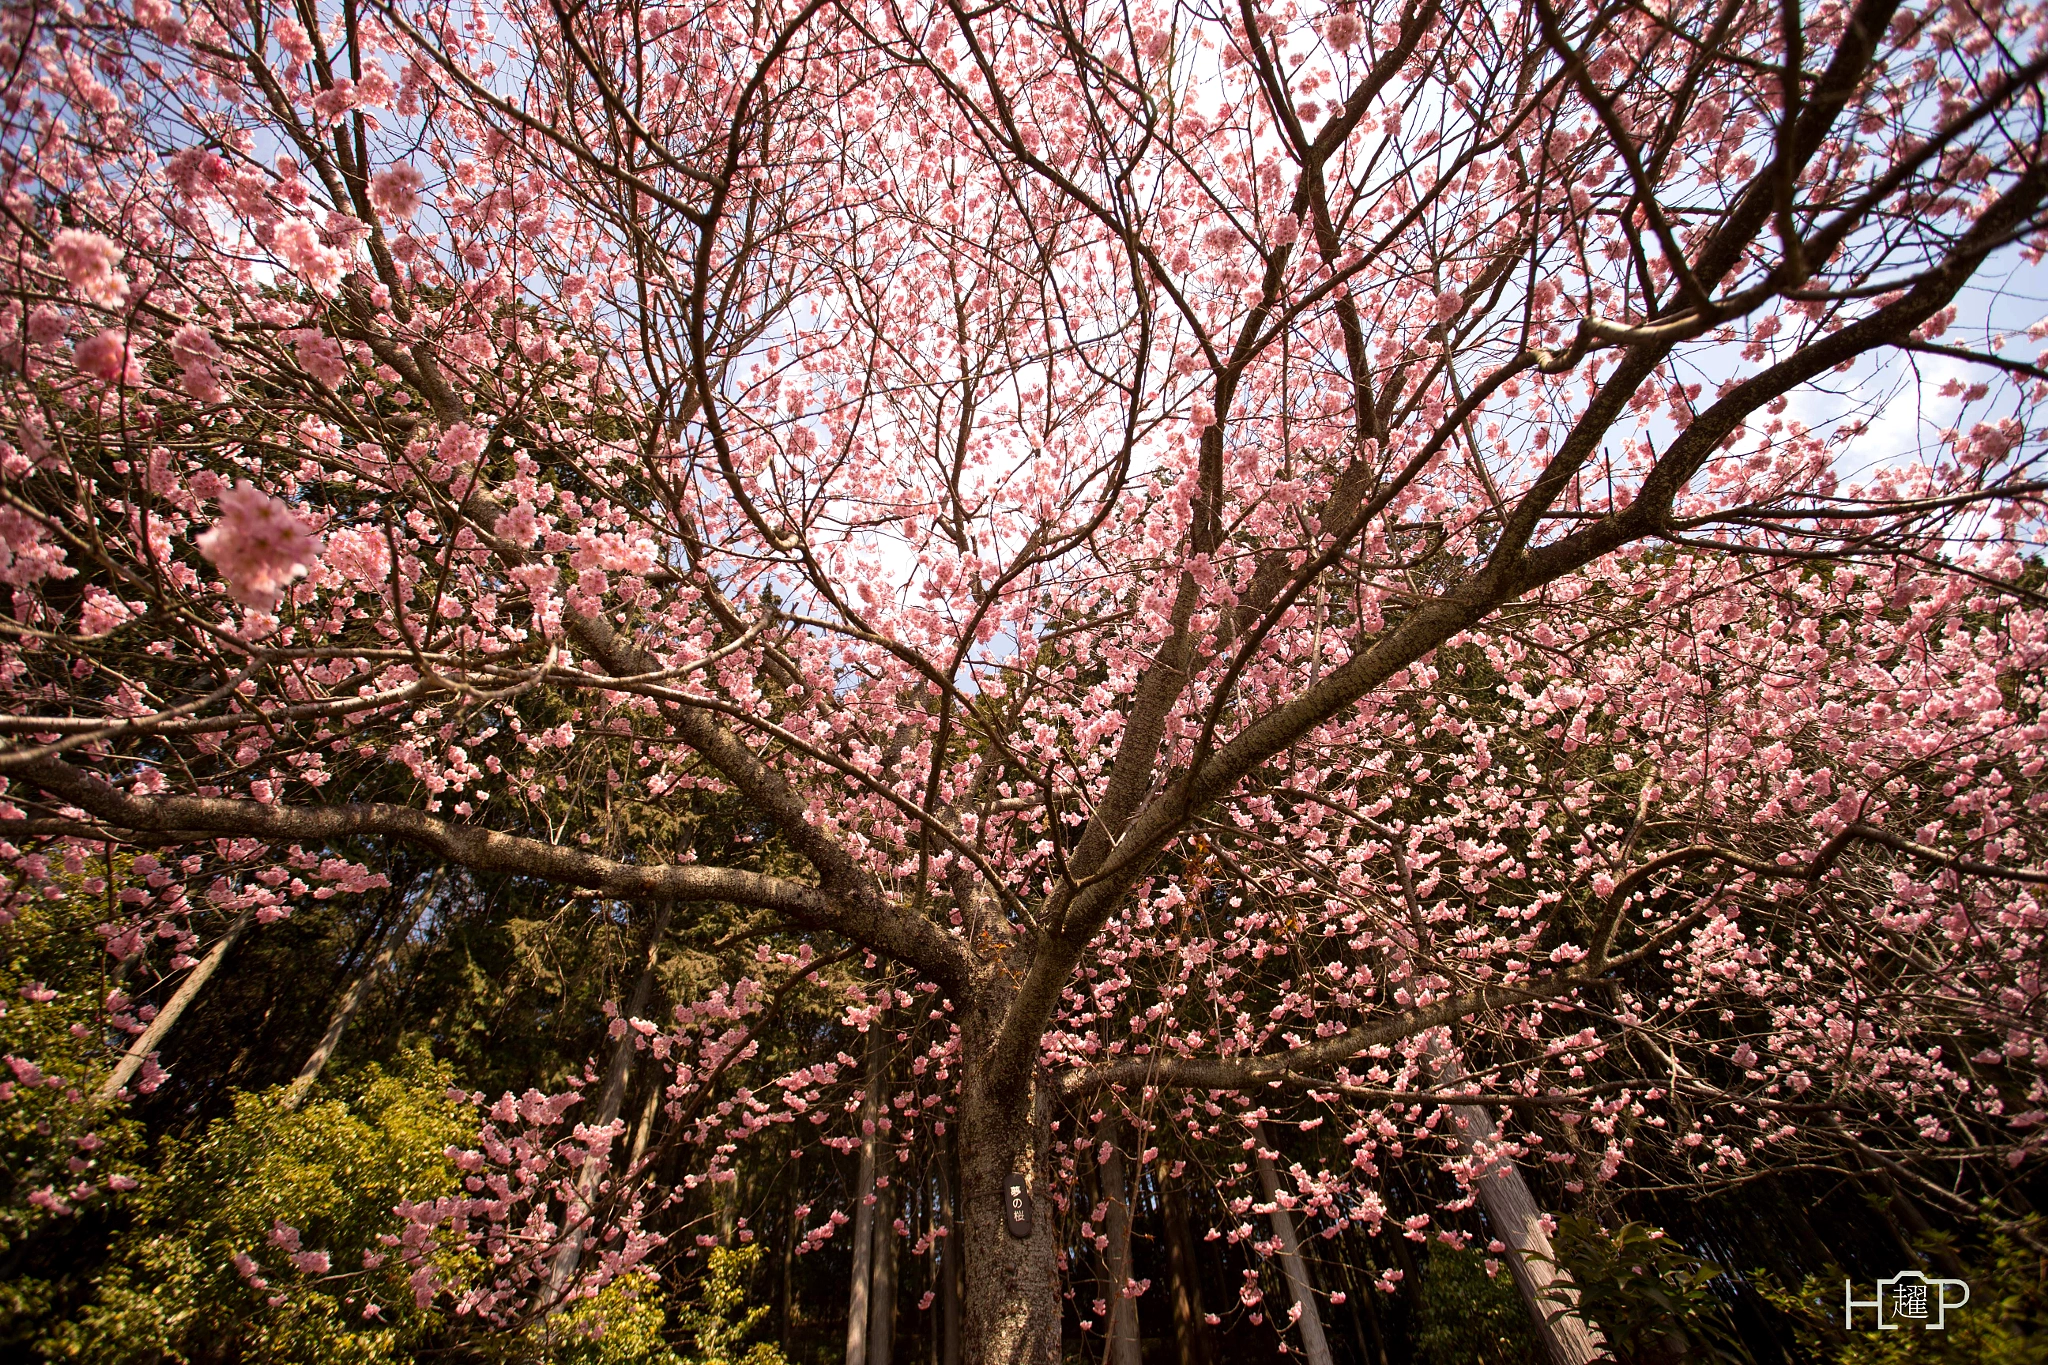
(1365, 1317)
(1114, 1177)
(151, 1038)
(1547, 1290)
(882, 1297)
(359, 990)
(786, 1302)
(949, 1252)
(650, 1112)
(857, 1297)
(1190, 1333)
(570, 1256)
(1545, 1286)
(1300, 1287)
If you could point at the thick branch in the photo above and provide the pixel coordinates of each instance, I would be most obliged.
(906, 938)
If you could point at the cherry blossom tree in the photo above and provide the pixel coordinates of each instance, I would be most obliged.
(1458, 573)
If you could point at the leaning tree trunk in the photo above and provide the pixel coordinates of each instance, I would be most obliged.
(359, 990)
(1546, 1288)
(1114, 1178)
(1314, 1344)
(167, 1018)
(1012, 1281)
(570, 1257)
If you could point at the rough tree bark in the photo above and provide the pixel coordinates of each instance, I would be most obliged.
(1012, 1283)
(151, 1038)
(359, 990)
(1300, 1287)
(563, 1272)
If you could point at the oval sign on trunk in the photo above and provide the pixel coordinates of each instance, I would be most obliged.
(1017, 1206)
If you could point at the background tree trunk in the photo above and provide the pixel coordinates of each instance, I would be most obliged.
(1314, 1344)
(949, 1252)
(864, 1207)
(1567, 1338)
(570, 1257)
(359, 990)
(1115, 1184)
(151, 1038)
(650, 1114)
(1190, 1333)
(882, 1296)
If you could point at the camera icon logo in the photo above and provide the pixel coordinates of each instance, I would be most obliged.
(1908, 1296)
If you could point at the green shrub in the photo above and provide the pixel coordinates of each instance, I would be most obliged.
(62, 1160)
(1651, 1298)
(332, 1171)
(721, 1321)
(2004, 1323)
(1468, 1317)
(623, 1325)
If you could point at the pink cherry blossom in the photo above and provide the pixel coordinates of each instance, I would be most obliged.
(396, 192)
(88, 261)
(199, 358)
(1363, 610)
(259, 545)
(320, 356)
(108, 357)
(300, 248)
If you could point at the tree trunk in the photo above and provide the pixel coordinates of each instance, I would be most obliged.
(1012, 1283)
(786, 1304)
(160, 1027)
(949, 1253)
(650, 1113)
(1314, 1344)
(570, 1257)
(359, 990)
(1510, 1207)
(882, 1297)
(1365, 1316)
(1115, 1184)
(1190, 1333)
(864, 1206)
